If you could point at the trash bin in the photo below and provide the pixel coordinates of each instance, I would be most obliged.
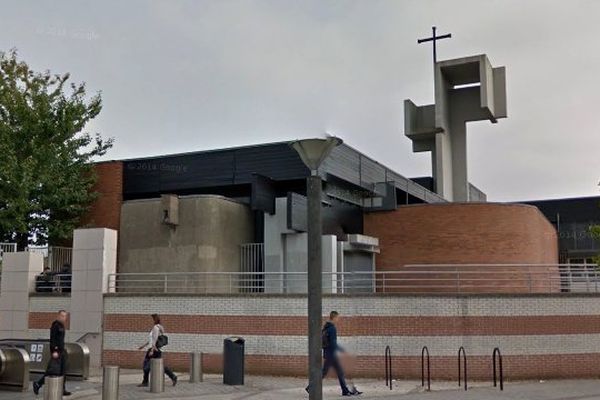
(233, 361)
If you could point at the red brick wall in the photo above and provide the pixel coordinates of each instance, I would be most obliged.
(516, 366)
(43, 320)
(354, 325)
(541, 336)
(551, 366)
(462, 233)
(105, 212)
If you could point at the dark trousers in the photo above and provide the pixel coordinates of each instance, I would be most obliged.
(146, 367)
(56, 367)
(331, 360)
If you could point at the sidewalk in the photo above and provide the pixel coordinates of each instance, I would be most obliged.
(272, 388)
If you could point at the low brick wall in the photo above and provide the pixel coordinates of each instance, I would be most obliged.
(540, 336)
(42, 312)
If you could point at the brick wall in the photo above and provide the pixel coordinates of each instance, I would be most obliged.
(540, 336)
(469, 233)
(105, 212)
(42, 312)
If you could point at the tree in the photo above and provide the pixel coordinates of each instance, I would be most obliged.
(595, 233)
(46, 175)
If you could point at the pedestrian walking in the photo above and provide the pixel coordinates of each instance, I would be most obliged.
(156, 340)
(348, 361)
(331, 348)
(57, 364)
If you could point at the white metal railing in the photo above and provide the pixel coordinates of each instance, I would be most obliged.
(7, 248)
(252, 257)
(471, 278)
(55, 257)
(59, 257)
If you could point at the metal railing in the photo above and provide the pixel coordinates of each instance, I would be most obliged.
(59, 257)
(252, 257)
(495, 353)
(425, 351)
(7, 248)
(464, 360)
(53, 283)
(450, 279)
(55, 257)
(387, 359)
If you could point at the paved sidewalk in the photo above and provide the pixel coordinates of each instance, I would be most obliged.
(270, 388)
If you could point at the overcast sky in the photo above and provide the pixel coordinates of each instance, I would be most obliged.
(181, 76)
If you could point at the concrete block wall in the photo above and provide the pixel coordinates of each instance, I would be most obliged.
(18, 280)
(285, 251)
(42, 312)
(540, 336)
(26, 314)
(94, 258)
(207, 239)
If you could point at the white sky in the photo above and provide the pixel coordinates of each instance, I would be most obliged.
(191, 75)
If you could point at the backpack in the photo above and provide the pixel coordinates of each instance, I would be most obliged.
(325, 338)
(162, 339)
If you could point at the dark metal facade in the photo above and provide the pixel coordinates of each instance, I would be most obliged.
(210, 169)
(572, 219)
(257, 175)
(231, 172)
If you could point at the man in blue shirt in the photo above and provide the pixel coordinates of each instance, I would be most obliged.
(330, 350)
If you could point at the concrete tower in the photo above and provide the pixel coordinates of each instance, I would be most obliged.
(466, 89)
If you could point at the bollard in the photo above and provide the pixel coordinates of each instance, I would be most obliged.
(157, 375)
(110, 383)
(54, 388)
(196, 374)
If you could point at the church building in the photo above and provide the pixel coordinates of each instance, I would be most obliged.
(243, 209)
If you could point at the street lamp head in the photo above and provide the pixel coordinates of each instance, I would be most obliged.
(314, 151)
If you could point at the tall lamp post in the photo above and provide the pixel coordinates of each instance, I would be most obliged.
(313, 152)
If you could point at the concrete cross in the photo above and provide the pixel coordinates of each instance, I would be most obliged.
(466, 89)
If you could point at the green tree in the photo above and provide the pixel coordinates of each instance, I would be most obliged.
(46, 176)
(595, 232)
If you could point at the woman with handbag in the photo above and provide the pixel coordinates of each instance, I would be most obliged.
(156, 340)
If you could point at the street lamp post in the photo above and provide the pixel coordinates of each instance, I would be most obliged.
(313, 152)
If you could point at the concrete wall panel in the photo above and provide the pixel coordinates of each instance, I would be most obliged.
(207, 238)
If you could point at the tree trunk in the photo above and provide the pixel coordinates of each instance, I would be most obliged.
(22, 240)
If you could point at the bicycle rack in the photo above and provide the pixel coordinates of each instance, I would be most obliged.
(388, 367)
(424, 351)
(464, 354)
(497, 352)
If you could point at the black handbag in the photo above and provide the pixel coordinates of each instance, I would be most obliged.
(162, 340)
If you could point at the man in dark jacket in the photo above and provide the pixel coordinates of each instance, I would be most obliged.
(330, 350)
(57, 352)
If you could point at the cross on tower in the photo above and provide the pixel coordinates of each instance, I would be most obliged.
(441, 128)
(433, 39)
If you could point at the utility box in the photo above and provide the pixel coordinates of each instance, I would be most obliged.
(233, 361)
